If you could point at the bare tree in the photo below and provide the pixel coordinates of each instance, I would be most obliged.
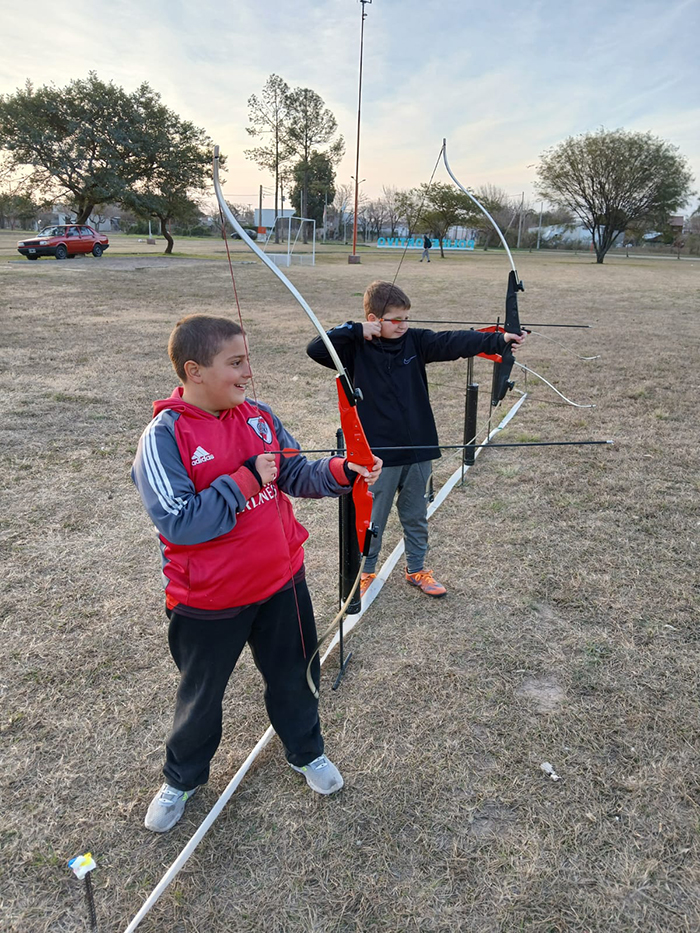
(497, 202)
(242, 212)
(344, 197)
(390, 196)
(612, 180)
(269, 116)
(376, 213)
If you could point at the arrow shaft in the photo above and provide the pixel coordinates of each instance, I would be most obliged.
(487, 323)
(292, 451)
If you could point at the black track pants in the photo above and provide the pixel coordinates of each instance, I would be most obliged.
(206, 653)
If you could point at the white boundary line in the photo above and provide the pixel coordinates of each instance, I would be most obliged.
(348, 625)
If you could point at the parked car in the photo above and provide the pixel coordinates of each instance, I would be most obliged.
(64, 241)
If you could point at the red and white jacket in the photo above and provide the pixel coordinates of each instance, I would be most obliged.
(225, 541)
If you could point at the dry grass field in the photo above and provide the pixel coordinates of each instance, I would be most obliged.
(569, 635)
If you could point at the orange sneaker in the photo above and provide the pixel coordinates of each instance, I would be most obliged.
(365, 582)
(425, 581)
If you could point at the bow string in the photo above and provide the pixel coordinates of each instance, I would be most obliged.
(357, 446)
(504, 362)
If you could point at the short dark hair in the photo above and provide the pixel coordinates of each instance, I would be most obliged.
(199, 337)
(382, 295)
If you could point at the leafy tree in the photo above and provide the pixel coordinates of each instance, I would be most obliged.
(268, 115)
(318, 176)
(179, 156)
(310, 126)
(91, 143)
(444, 206)
(613, 180)
(17, 209)
(409, 207)
(81, 143)
(433, 209)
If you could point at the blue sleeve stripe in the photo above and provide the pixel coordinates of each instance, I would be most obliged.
(157, 476)
(164, 478)
(152, 479)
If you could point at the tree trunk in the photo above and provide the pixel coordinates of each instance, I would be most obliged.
(605, 242)
(166, 233)
(84, 214)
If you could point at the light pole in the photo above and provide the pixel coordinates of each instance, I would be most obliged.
(354, 219)
(354, 258)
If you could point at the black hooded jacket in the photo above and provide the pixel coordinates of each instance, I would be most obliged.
(395, 410)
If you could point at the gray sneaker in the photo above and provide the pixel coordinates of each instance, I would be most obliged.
(321, 775)
(166, 808)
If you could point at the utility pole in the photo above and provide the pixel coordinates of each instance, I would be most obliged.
(539, 228)
(260, 223)
(354, 258)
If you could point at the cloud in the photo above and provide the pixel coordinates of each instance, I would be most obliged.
(502, 81)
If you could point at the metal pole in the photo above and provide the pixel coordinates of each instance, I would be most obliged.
(260, 209)
(471, 401)
(354, 258)
(539, 228)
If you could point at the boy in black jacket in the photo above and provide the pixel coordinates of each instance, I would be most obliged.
(386, 358)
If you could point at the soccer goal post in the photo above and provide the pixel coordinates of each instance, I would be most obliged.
(291, 240)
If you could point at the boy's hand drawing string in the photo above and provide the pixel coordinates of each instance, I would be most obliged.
(357, 448)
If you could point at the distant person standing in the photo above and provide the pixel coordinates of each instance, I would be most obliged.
(427, 243)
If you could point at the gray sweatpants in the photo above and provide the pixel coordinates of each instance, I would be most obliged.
(411, 481)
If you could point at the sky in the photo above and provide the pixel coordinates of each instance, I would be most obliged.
(503, 81)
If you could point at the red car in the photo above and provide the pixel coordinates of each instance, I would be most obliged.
(64, 241)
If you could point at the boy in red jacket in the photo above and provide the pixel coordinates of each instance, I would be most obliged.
(232, 556)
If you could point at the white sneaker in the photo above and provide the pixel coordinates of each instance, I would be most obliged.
(166, 808)
(321, 775)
